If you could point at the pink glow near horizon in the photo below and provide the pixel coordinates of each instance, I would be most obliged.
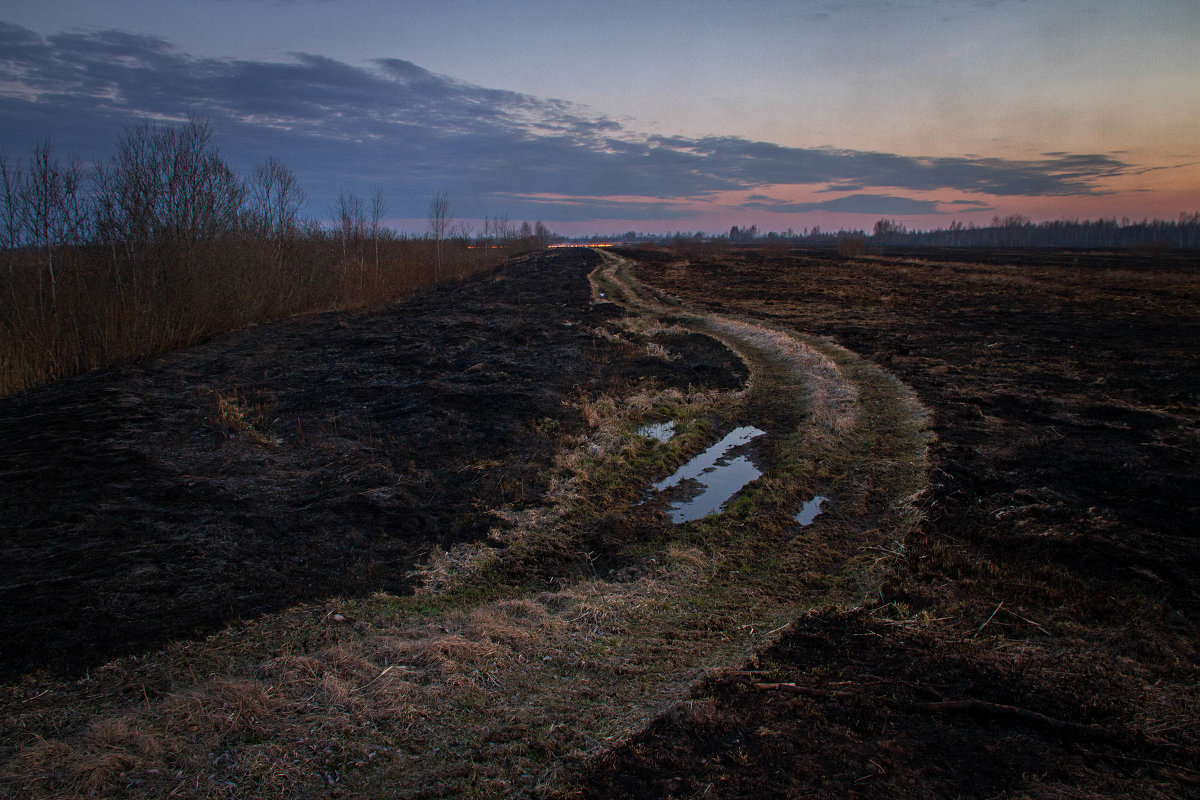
(1077, 109)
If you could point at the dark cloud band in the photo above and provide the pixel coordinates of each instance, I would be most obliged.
(876, 204)
(415, 132)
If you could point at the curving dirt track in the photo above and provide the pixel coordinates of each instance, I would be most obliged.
(1039, 635)
(1024, 626)
(575, 622)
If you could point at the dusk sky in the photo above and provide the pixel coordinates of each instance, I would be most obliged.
(657, 116)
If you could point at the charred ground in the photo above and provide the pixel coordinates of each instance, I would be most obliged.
(1035, 635)
(317, 457)
(1057, 570)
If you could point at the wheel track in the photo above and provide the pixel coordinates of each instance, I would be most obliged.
(496, 698)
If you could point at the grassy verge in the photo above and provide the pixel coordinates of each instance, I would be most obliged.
(97, 319)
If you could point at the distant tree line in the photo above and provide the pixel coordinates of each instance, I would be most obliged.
(164, 244)
(1017, 231)
(1013, 231)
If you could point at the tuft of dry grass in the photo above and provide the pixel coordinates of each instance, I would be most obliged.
(237, 418)
(98, 318)
(832, 400)
(656, 350)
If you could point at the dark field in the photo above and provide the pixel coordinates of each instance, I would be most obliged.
(288, 462)
(1056, 578)
(1037, 634)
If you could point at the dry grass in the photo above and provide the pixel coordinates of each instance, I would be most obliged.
(656, 350)
(832, 399)
(99, 317)
(444, 694)
(237, 418)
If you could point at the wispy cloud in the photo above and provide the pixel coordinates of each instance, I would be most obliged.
(416, 132)
(575, 208)
(972, 205)
(876, 204)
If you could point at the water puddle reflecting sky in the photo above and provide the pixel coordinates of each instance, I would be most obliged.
(809, 511)
(718, 475)
(662, 431)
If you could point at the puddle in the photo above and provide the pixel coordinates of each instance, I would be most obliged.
(810, 510)
(662, 431)
(720, 477)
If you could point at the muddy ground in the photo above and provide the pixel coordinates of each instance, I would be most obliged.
(1040, 633)
(317, 457)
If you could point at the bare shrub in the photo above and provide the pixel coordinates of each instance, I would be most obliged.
(163, 245)
(851, 245)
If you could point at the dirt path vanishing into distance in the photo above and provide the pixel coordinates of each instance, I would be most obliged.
(522, 654)
(1038, 633)
(419, 552)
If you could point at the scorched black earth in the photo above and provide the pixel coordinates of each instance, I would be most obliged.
(316, 457)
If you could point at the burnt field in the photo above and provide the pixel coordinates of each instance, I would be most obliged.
(1039, 634)
(318, 457)
(209, 557)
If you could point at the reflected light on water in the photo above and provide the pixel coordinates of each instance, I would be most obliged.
(718, 475)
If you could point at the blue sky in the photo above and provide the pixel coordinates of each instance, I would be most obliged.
(653, 115)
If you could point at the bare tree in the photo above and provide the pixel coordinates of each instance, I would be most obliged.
(503, 229)
(350, 221)
(167, 198)
(275, 199)
(202, 198)
(440, 218)
(50, 207)
(378, 209)
(485, 239)
(10, 183)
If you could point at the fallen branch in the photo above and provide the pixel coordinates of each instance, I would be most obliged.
(989, 619)
(810, 691)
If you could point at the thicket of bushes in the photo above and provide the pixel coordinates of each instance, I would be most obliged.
(163, 245)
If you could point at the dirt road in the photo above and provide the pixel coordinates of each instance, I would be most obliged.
(1040, 633)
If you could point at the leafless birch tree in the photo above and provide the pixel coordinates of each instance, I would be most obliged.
(440, 218)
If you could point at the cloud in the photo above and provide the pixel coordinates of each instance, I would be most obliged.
(973, 205)
(414, 132)
(876, 204)
(762, 163)
(577, 209)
